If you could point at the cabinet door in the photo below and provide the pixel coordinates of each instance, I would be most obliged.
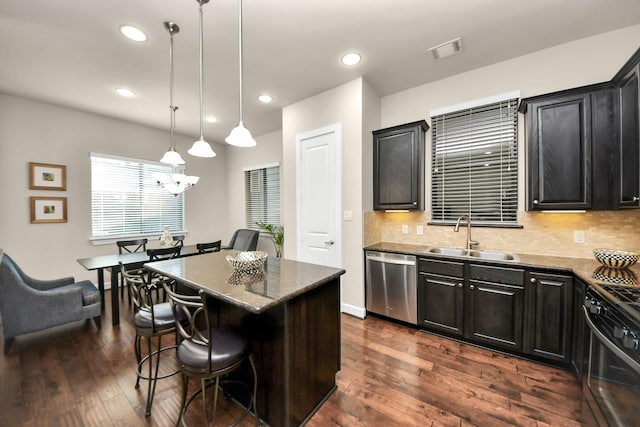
(629, 139)
(605, 125)
(578, 350)
(398, 167)
(559, 148)
(495, 314)
(549, 320)
(441, 303)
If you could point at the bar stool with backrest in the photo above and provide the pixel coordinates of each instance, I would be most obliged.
(152, 319)
(130, 247)
(208, 247)
(207, 353)
(244, 239)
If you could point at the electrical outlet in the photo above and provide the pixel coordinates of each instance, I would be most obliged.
(420, 230)
(405, 229)
(578, 236)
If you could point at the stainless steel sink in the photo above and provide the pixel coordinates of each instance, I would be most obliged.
(489, 255)
(492, 255)
(447, 251)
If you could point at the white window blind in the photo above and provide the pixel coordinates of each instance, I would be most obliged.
(127, 201)
(262, 195)
(475, 164)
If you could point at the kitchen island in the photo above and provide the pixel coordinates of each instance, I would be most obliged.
(291, 311)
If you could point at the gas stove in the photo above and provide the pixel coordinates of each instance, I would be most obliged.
(621, 289)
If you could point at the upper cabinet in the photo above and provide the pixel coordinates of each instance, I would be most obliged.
(398, 167)
(627, 82)
(583, 147)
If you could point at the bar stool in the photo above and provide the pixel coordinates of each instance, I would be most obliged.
(207, 353)
(152, 320)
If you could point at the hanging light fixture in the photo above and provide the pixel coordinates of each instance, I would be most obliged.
(174, 182)
(201, 148)
(240, 135)
(171, 157)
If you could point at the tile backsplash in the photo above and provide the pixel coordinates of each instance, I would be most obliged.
(541, 233)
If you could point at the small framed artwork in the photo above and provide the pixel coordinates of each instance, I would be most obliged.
(48, 209)
(43, 176)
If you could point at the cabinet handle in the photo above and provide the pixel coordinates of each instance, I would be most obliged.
(535, 201)
(533, 280)
(460, 285)
(471, 287)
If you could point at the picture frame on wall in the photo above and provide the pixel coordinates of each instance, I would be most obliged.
(43, 176)
(48, 209)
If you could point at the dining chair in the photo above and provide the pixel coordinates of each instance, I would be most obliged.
(178, 240)
(208, 247)
(244, 240)
(152, 320)
(130, 247)
(207, 353)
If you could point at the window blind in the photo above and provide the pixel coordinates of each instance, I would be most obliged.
(126, 200)
(475, 164)
(262, 195)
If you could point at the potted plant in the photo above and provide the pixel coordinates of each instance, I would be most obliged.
(277, 235)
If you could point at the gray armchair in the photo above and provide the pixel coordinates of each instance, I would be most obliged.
(29, 305)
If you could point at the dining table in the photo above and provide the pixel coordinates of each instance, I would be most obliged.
(112, 262)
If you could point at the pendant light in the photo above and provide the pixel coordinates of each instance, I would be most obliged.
(240, 135)
(201, 148)
(171, 157)
(175, 182)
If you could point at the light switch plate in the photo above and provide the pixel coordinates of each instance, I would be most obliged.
(347, 215)
(420, 230)
(578, 236)
(405, 229)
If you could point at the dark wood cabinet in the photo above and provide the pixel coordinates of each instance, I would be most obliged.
(441, 296)
(558, 129)
(495, 306)
(550, 316)
(398, 167)
(627, 83)
(579, 344)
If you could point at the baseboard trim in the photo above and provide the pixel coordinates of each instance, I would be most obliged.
(359, 312)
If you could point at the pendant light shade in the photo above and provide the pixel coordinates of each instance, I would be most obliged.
(176, 182)
(171, 157)
(240, 135)
(201, 148)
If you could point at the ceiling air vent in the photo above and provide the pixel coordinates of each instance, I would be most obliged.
(446, 49)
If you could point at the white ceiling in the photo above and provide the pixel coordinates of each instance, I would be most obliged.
(70, 52)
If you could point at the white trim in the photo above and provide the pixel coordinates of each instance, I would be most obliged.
(475, 103)
(359, 312)
(253, 168)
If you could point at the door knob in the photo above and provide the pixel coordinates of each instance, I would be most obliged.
(329, 243)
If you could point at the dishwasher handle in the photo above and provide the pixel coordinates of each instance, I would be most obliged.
(387, 260)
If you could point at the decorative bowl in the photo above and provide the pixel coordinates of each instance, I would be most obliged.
(616, 276)
(246, 261)
(614, 258)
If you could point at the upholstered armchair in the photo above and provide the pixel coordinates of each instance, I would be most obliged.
(29, 305)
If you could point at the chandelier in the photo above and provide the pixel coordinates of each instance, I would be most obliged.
(175, 183)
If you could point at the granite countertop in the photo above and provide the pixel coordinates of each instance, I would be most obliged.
(281, 280)
(583, 268)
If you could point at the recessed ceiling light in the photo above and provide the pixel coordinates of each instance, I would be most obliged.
(133, 33)
(127, 93)
(265, 99)
(210, 119)
(351, 58)
(447, 49)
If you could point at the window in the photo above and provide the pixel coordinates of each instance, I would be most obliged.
(262, 195)
(127, 201)
(474, 164)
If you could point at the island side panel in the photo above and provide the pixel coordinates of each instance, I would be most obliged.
(313, 331)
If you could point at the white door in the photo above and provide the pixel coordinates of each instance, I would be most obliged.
(318, 196)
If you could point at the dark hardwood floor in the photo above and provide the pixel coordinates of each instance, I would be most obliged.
(391, 375)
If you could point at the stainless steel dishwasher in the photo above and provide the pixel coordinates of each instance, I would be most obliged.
(391, 285)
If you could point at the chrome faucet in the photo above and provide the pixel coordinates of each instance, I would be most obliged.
(470, 242)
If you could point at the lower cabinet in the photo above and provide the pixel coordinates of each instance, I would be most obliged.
(579, 344)
(507, 308)
(550, 316)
